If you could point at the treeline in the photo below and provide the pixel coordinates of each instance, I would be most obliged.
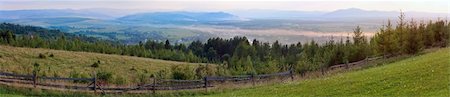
(410, 37)
(37, 37)
(240, 55)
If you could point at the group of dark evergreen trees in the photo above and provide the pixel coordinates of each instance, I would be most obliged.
(240, 55)
(410, 37)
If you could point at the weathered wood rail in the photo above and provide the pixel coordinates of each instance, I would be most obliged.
(353, 63)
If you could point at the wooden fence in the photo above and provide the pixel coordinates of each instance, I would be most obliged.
(155, 85)
(353, 63)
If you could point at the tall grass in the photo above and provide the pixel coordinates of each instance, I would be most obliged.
(124, 69)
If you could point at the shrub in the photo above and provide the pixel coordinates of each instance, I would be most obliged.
(95, 65)
(36, 68)
(182, 72)
(163, 74)
(204, 70)
(106, 76)
(42, 56)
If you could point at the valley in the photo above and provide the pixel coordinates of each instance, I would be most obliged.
(185, 27)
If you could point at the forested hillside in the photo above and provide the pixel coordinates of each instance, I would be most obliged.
(238, 55)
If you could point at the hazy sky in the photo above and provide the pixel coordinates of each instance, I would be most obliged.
(441, 6)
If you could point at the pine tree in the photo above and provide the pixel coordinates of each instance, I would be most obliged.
(360, 44)
(167, 45)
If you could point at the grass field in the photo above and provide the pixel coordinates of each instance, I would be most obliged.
(9, 91)
(425, 75)
(21, 60)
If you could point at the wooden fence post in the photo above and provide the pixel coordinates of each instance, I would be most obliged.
(303, 73)
(95, 82)
(291, 73)
(154, 86)
(253, 79)
(346, 65)
(323, 72)
(34, 79)
(206, 83)
(366, 60)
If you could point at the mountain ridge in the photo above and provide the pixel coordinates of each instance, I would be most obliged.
(179, 16)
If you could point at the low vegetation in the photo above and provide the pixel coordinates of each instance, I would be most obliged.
(8, 91)
(424, 75)
(80, 64)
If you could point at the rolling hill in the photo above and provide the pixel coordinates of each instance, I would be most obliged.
(423, 75)
(64, 63)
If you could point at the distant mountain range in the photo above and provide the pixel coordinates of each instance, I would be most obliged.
(182, 17)
(355, 12)
(351, 13)
(50, 13)
(179, 17)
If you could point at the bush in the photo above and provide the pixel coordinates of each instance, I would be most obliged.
(95, 65)
(182, 72)
(36, 68)
(204, 70)
(163, 74)
(42, 56)
(51, 55)
(106, 76)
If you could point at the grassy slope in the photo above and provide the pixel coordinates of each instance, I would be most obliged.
(424, 75)
(20, 60)
(8, 91)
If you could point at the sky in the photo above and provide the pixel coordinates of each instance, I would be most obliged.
(439, 6)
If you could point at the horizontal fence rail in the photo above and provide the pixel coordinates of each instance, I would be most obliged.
(15, 75)
(67, 79)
